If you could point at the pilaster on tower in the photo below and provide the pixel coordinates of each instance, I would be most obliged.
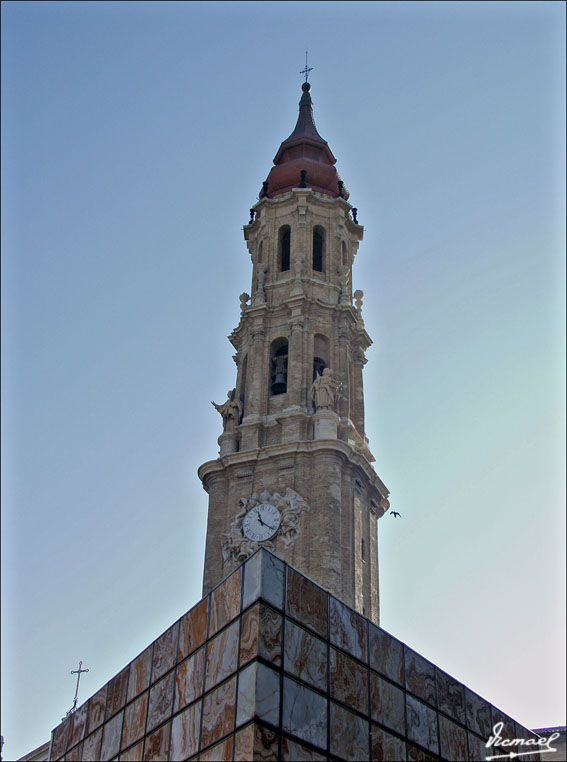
(294, 434)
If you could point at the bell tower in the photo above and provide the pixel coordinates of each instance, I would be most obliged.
(294, 472)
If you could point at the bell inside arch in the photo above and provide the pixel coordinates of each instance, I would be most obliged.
(279, 385)
(279, 371)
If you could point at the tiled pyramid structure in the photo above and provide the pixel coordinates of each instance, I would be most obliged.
(270, 666)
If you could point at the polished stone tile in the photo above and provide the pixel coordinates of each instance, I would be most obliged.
(477, 748)
(255, 742)
(349, 681)
(450, 696)
(504, 727)
(222, 656)
(258, 694)
(140, 670)
(165, 652)
(111, 734)
(296, 752)
(306, 602)
(304, 713)
(305, 656)
(261, 634)
(91, 746)
(161, 701)
(225, 602)
(78, 725)
(156, 747)
(418, 755)
(384, 746)
(185, 732)
(266, 744)
(133, 754)
(189, 679)
(387, 704)
(528, 735)
(422, 724)
(135, 720)
(218, 713)
(420, 676)
(59, 739)
(263, 578)
(508, 725)
(249, 634)
(95, 712)
(244, 740)
(386, 654)
(348, 734)
(348, 629)
(116, 693)
(452, 740)
(221, 752)
(75, 754)
(477, 714)
(193, 629)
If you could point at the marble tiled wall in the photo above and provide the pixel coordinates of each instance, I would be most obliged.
(270, 666)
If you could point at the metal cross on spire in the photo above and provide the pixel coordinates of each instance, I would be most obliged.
(78, 673)
(307, 68)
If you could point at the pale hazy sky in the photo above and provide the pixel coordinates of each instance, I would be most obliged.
(135, 138)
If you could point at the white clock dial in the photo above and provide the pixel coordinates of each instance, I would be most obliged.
(261, 522)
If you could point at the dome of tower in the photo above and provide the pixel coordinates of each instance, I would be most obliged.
(304, 159)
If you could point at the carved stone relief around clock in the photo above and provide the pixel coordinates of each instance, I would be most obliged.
(236, 546)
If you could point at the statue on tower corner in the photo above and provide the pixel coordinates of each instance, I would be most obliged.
(231, 411)
(325, 391)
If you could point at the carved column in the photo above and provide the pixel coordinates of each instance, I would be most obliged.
(249, 429)
(295, 363)
(236, 357)
(256, 380)
(343, 407)
(373, 566)
(357, 398)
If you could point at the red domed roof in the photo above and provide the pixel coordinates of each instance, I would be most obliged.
(304, 160)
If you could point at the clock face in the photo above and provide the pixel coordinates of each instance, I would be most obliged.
(261, 522)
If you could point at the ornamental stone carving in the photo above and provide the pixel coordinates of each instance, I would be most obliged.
(344, 274)
(325, 391)
(296, 324)
(298, 260)
(358, 294)
(237, 547)
(231, 411)
(244, 301)
(260, 296)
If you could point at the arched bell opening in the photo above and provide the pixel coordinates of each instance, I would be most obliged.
(319, 366)
(320, 354)
(278, 366)
(318, 248)
(243, 373)
(284, 247)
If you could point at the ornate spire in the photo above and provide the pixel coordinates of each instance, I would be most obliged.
(305, 129)
(304, 159)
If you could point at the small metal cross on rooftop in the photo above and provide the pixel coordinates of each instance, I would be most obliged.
(78, 673)
(307, 68)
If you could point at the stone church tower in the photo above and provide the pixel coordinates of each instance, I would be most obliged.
(294, 472)
(268, 664)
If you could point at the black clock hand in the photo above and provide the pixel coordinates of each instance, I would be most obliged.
(263, 523)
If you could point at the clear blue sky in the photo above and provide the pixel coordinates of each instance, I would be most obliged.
(135, 138)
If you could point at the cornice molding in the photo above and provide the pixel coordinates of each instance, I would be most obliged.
(275, 452)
